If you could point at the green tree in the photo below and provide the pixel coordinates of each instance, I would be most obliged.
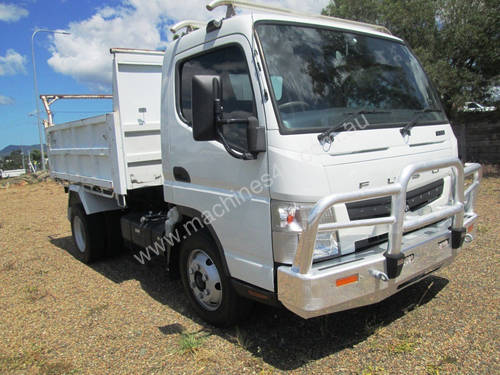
(14, 160)
(36, 156)
(457, 41)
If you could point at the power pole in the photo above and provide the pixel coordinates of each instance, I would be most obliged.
(35, 86)
(30, 165)
(22, 158)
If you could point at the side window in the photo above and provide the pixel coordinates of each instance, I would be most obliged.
(238, 100)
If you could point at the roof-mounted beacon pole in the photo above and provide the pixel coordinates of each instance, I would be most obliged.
(189, 25)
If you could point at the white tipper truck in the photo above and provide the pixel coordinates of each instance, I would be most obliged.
(297, 160)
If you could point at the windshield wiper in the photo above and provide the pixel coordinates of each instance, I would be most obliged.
(406, 130)
(350, 115)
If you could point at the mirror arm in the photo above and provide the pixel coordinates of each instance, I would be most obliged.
(221, 121)
(229, 121)
(231, 151)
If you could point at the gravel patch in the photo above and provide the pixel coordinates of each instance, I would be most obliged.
(59, 316)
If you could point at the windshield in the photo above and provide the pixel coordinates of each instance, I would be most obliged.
(319, 76)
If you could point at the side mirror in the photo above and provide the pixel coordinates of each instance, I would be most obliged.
(205, 92)
(207, 115)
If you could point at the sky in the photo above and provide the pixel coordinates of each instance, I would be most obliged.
(80, 63)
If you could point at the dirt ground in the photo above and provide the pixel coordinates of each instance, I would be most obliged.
(59, 316)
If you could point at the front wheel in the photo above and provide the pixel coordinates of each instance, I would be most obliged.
(206, 285)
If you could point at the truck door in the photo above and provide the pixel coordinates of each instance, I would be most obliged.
(203, 176)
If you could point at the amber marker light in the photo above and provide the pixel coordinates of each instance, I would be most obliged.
(347, 280)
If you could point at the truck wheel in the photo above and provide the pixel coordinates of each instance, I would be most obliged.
(206, 285)
(88, 233)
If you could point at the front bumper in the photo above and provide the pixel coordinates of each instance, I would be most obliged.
(313, 290)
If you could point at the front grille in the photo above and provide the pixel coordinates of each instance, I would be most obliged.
(381, 207)
(370, 242)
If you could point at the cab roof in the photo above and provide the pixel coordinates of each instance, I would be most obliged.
(243, 24)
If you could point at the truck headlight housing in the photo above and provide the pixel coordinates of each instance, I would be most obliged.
(289, 219)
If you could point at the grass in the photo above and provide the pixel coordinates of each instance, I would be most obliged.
(9, 266)
(403, 347)
(190, 342)
(41, 272)
(482, 228)
(96, 310)
(412, 306)
(33, 293)
(25, 179)
(432, 370)
(243, 338)
(374, 370)
(405, 343)
(435, 369)
(35, 360)
(372, 327)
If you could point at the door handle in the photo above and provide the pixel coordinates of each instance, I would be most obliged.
(180, 174)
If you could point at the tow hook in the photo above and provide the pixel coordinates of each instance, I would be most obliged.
(379, 275)
(469, 238)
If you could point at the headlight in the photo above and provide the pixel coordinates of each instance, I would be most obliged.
(326, 246)
(288, 220)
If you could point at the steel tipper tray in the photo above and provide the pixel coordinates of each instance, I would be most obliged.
(360, 279)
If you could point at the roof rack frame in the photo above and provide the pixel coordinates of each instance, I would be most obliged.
(233, 4)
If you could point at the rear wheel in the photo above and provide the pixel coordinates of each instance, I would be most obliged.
(88, 234)
(206, 285)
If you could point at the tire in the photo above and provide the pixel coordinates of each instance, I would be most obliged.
(206, 285)
(89, 234)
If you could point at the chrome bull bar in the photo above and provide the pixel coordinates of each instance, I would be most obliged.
(474, 170)
(398, 223)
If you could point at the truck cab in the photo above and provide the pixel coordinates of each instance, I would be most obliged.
(306, 162)
(314, 216)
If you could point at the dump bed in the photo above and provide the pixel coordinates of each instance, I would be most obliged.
(118, 151)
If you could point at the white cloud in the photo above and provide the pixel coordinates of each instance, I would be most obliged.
(6, 100)
(84, 55)
(12, 63)
(11, 12)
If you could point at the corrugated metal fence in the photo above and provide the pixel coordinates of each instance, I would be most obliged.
(478, 136)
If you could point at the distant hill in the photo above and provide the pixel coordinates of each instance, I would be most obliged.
(27, 148)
